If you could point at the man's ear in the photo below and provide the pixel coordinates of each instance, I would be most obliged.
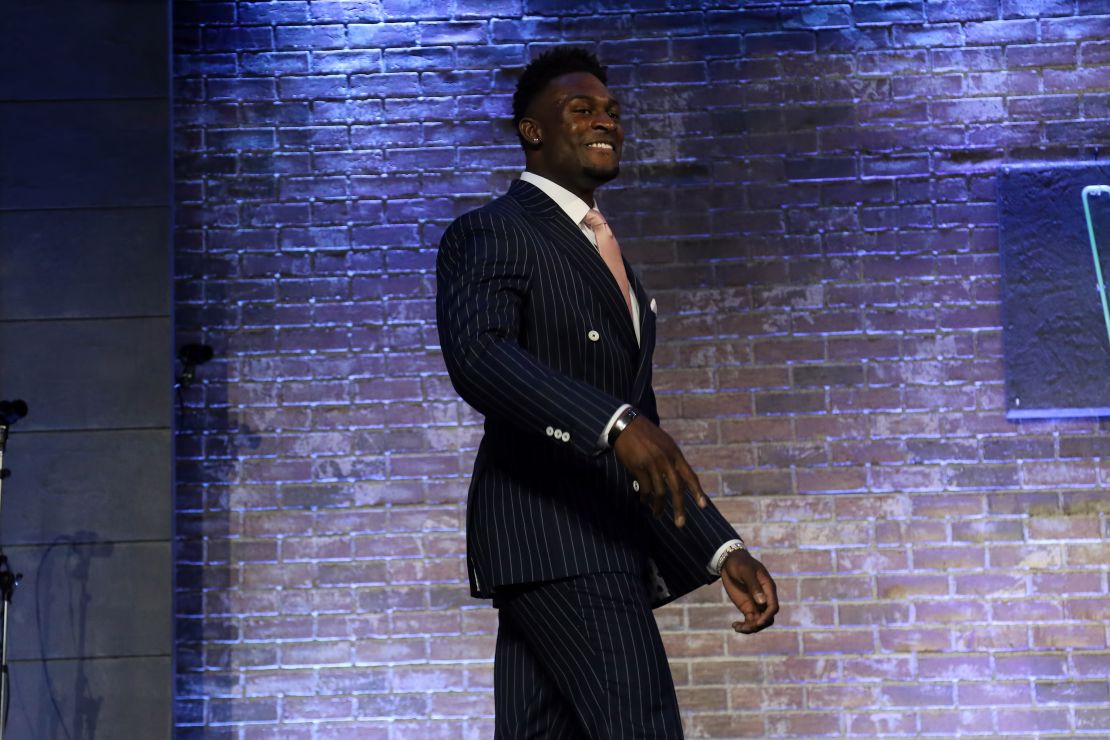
(529, 130)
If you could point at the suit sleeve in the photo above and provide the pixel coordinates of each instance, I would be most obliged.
(483, 275)
(684, 554)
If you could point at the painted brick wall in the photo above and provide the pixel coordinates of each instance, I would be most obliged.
(810, 197)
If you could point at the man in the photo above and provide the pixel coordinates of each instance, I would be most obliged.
(582, 513)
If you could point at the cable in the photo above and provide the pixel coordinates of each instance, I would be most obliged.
(42, 638)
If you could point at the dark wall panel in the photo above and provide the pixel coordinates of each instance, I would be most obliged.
(84, 49)
(86, 339)
(92, 600)
(98, 262)
(86, 374)
(87, 693)
(75, 154)
(102, 485)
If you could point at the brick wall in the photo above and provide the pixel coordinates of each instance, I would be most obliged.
(810, 196)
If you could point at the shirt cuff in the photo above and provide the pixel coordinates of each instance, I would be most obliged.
(603, 440)
(714, 562)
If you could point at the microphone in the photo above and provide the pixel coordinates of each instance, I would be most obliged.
(191, 355)
(194, 354)
(12, 411)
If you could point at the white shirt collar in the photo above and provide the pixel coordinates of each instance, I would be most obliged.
(572, 205)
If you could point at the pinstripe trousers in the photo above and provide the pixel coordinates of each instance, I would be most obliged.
(581, 657)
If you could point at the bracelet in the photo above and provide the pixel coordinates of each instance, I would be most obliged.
(720, 564)
(621, 424)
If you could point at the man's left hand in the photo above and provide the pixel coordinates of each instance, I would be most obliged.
(752, 589)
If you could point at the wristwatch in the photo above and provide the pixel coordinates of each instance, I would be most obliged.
(620, 424)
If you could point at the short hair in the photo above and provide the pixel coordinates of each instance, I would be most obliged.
(546, 67)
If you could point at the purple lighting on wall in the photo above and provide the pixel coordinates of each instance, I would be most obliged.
(810, 197)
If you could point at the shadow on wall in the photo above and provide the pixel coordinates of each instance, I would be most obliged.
(61, 594)
(207, 455)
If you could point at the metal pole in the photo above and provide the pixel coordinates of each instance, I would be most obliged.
(9, 579)
(4, 698)
(1100, 283)
(6, 594)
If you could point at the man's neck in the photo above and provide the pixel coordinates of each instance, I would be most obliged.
(587, 196)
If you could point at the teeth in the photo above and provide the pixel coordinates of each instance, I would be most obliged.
(600, 145)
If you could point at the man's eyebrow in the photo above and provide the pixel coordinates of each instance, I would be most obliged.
(590, 98)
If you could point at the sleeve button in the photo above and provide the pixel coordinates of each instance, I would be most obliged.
(550, 431)
(593, 335)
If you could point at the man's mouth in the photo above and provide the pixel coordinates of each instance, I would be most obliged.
(600, 145)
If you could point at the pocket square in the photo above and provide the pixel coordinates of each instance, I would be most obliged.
(653, 307)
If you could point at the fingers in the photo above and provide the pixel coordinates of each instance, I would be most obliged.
(657, 490)
(754, 620)
(692, 482)
(744, 628)
(753, 591)
(678, 502)
(665, 483)
(769, 588)
(756, 616)
(659, 468)
(747, 607)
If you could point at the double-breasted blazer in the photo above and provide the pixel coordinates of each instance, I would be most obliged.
(537, 337)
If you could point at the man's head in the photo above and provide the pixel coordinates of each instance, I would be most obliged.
(568, 122)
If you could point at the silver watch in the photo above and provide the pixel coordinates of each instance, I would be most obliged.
(620, 424)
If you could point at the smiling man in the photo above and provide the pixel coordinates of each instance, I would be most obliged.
(582, 514)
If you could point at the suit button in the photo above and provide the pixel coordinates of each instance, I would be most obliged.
(550, 431)
(636, 485)
(593, 335)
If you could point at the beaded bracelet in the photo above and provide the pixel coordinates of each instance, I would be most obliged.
(720, 564)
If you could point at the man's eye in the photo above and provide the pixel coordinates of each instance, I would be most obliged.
(582, 110)
(614, 114)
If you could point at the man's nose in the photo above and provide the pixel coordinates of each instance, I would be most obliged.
(605, 121)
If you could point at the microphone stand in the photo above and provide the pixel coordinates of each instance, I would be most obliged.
(10, 412)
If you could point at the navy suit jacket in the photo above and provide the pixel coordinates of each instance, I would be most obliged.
(537, 337)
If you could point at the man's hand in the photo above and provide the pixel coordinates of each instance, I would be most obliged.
(752, 589)
(658, 466)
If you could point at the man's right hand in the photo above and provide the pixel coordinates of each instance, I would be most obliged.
(659, 468)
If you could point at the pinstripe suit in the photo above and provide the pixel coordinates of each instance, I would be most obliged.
(537, 337)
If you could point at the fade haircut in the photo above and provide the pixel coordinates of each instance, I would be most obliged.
(546, 67)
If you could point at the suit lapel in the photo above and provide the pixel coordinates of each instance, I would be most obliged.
(582, 254)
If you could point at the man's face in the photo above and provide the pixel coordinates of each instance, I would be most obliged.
(578, 123)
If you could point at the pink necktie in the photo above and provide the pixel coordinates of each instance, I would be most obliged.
(610, 251)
